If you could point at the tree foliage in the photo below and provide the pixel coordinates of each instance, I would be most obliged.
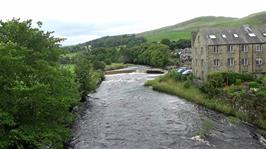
(153, 54)
(86, 75)
(36, 93)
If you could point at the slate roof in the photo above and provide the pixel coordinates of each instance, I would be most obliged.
(242, 32)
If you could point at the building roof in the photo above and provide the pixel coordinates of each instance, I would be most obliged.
(243, 35)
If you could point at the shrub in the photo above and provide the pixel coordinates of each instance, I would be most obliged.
(232, 77)
(253, 84)
(238, 82)
(173, 74)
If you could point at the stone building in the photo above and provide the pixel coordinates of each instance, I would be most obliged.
(228, 49)
(185, 55)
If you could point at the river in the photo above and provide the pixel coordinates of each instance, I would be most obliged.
(123, 114)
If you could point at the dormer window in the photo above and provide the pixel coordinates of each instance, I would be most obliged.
(264, 34)
(212, 36)
(235, 35)
(223, 35)
(251, 35)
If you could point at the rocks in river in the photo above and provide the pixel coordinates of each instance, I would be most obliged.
(200, 140)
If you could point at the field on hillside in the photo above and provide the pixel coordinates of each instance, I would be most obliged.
(183, 30)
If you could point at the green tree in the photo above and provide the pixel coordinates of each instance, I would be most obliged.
(166, 42)
(87, 77)
(36, 93)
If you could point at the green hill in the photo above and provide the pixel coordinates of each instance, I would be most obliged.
(183, 30)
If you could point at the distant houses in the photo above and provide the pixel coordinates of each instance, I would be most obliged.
(185, 55)
(228, 49)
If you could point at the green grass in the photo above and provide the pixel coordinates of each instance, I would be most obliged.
(183, 30)
(193, 94)
(114, 66)
(206, 127)
(174, 36)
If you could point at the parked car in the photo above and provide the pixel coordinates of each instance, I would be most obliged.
(182, 69)
(186, 72)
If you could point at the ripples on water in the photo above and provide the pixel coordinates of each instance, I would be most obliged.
(123, 114)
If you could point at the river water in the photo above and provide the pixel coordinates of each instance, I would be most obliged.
(123, 114)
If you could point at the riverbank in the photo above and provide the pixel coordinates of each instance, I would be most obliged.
(114, 66)
(135, 116)
(167, 85)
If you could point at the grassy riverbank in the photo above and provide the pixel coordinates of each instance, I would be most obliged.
(167, 85)
(192, 93)
(114, 66)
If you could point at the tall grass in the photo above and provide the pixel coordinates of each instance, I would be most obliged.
(167, 85)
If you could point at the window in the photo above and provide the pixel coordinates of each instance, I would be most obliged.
(258, 47)
(223, 35)
(245, 48)
(215, 49)
(258, 61)
(235, 35)
(264, 34)
(216, 62)
(230, 49)
(201, 50)
(202, 62)
(230, 61)
(244, 61)
(212, 36)
(251, 35)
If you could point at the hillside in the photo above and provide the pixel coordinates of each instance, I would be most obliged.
(183, 30)
(128, 40)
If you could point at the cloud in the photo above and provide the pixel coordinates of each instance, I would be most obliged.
(77, 19)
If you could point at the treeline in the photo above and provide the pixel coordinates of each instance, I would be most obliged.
(109, 42)
(130, 49)
(37, 93)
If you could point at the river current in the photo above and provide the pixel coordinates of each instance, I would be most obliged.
(123, 114)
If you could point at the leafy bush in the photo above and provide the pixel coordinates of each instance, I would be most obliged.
(174, 75)
(238, 82)
(218, 80)
(253, 84)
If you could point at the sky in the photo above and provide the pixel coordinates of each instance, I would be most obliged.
(83, 20)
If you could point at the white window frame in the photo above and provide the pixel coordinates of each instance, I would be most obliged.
(245, 48)
(259, 60)
(231, 61)
(244, 61)
(216, 62)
